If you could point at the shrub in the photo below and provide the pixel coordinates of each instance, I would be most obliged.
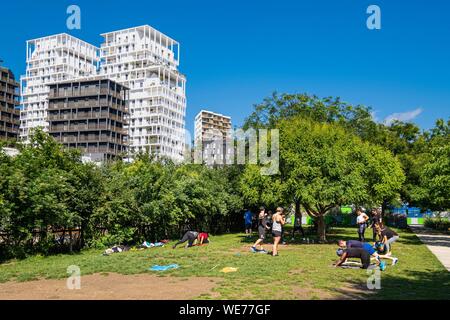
(437, 224)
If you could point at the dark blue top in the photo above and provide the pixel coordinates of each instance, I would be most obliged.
(248, 217)
(354, 244)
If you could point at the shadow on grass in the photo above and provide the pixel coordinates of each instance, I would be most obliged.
(410, 285)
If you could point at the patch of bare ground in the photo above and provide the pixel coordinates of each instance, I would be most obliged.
(353, 292)
(112, 287)
(301, 293)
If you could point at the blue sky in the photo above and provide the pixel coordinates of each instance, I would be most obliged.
(235, 53)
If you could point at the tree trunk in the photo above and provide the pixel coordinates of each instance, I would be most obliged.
(321, 228)
(297, 210)
(70, 239)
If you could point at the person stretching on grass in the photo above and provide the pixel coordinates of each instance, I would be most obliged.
(387, 237)
(202, 238)
(359, 253)
(278, 220)
(366, 246)
(190, 236)
(262, 228)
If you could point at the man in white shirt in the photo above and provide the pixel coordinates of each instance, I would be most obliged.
(361, 222)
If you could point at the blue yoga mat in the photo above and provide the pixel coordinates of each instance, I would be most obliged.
(164, 268)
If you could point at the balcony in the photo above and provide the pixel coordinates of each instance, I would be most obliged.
(85, 127)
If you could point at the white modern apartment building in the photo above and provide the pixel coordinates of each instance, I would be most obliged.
(49, 60)
(213, 133)
(146, 61)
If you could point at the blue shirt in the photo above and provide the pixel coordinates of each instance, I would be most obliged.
(368, 248)
(248, 217)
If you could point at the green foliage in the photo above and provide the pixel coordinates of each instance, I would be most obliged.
(47, 188)
(331, 153)
(437, 224)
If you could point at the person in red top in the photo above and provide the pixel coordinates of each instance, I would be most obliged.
(202, 238)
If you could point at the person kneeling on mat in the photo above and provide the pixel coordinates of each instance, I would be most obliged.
(366, 246)
(359, 253)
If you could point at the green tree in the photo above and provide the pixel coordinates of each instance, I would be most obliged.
(323, 166)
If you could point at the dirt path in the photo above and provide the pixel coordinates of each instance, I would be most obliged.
(112, 287)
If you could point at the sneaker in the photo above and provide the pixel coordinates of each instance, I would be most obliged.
(394, 262)
(253, 249)
(382, 266)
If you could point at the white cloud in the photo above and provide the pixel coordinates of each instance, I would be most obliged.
(403, 116)
(374, 116)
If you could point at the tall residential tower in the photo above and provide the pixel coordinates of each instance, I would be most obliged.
(50, 60)
(213, 132)
(146, 61)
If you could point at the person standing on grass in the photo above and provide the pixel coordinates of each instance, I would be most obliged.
(298, 226)
(376, 219)
(262, 228)
(248, 220)
(278, 220)
(361, 221)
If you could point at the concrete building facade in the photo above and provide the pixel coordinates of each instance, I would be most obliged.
(51, 60)
(89, 114)
(213, 132)
(9, 102)
(146, 61)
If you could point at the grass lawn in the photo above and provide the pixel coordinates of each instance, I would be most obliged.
(302, 271)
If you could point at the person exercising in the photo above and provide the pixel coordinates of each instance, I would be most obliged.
(190, 237)
(366, 246)
(359, 253)
(262, 228)
(387, 237)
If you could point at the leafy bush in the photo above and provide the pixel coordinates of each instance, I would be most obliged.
(437, 224)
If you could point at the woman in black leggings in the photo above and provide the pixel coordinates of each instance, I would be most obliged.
(189, 236)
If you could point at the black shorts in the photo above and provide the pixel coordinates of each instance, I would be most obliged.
(276, 233)
(248, 226)
(262, 233)
(365, 260)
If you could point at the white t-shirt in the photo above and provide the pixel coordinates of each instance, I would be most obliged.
(360, 218)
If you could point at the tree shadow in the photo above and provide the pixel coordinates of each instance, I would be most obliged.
(409, 285)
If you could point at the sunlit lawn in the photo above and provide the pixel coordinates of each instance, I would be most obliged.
(302, 271)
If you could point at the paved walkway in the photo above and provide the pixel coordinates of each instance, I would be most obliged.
(439, 244)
